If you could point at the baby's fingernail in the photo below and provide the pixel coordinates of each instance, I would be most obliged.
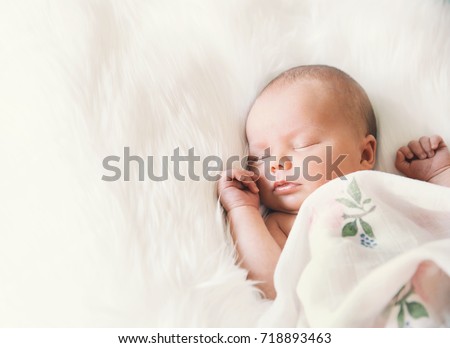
(431, 153)
(423, 156)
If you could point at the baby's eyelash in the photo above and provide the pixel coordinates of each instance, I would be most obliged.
(304, 146)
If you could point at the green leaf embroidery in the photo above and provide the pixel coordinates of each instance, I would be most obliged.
(367, 228)
(401, 317)
(347, 202)
(416, 310)
(353, 200)
(354, 192)
(350, 229)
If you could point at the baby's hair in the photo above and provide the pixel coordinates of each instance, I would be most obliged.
(356, 98)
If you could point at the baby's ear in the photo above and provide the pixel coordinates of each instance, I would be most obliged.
(368, 153)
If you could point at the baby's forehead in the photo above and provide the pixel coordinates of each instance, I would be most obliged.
(312, 102)
(305, 94)
(315, 87)
(305, 88)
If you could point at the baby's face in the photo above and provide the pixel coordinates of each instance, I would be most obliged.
(298, 122)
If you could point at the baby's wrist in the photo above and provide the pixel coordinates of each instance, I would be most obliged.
(243, 208)
(238, 212)
(442, 178)
(244, 216)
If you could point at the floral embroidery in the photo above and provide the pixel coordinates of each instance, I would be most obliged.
(414, 309)
(356, 222)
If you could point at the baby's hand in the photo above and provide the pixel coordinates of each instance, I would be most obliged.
(426, 159)
(237, 188)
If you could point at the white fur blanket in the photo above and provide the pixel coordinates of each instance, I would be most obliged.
(370, 251)
(81, 80)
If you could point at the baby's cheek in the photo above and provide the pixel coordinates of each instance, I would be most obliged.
(258, 170)
(311, 164)
(264, 187)
(262, 181)
(345, 163)
(314, 172)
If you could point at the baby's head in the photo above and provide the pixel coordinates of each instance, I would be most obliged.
(308, 126)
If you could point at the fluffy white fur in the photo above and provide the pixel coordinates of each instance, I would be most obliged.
(80, 80)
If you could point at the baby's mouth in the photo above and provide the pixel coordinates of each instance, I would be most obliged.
(284, 187)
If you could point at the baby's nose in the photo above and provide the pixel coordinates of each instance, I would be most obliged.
(283, 164)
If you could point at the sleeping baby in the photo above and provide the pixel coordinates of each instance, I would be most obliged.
(309, 125)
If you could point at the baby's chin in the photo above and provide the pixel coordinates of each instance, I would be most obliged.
(289, 204)
(286, 208)
(287, 211)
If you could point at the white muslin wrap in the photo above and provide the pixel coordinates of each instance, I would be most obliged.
(369, 251)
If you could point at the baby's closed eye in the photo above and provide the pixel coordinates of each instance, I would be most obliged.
(306, 145)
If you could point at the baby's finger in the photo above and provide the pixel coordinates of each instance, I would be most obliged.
(227, 180)
(236, 173)
(406, 152)
(226, 175)
(254, 172)
(244, 176)
(400, 161)
(416, 148)
(426, 146)
(251, 185)
(435, 141)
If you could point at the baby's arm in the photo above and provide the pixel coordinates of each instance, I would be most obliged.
(426, 159)
(257, 250)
